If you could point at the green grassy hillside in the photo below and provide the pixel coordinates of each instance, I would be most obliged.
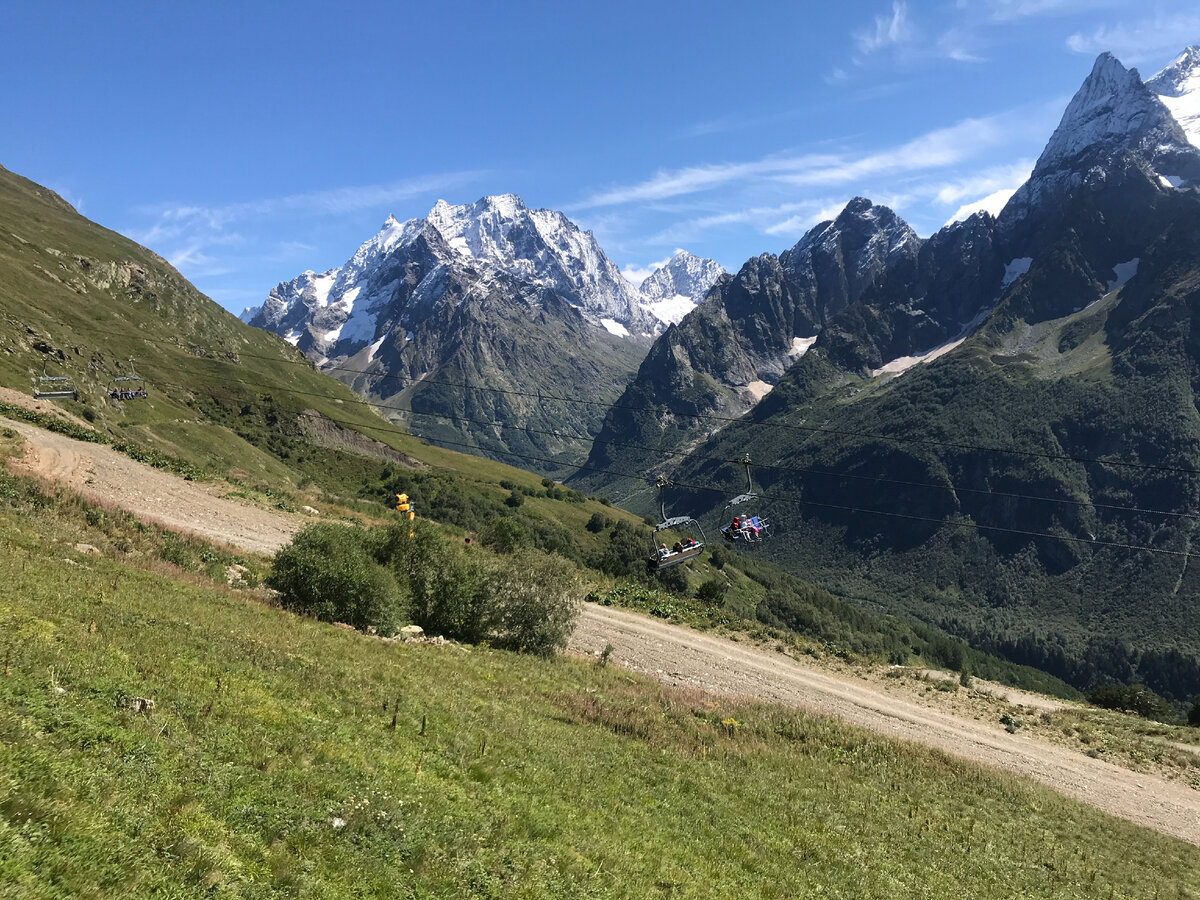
(283, 757)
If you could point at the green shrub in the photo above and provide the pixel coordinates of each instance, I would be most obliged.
(1134, 698)
(532, 601)
(328, 572)
(505, 535)
(443, 581)
(514, 499)
(598, 523)
(713, 590)
(1194, 713)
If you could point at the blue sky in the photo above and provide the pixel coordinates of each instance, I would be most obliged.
(247, 142)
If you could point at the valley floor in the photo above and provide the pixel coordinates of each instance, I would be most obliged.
(669, 653)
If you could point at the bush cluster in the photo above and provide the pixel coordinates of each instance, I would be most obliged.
(524, 600)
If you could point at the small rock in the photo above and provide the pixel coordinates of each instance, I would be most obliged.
(142, 705)
(235, 575)
(412, 632)
(338, 822)
(310, 510)
(87, 549)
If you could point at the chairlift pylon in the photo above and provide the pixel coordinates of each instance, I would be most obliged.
(747, 527)
(55, 387)
(682, 550)
(128, 387)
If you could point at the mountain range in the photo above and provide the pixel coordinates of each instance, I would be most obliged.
(993, 428)
(470, 324)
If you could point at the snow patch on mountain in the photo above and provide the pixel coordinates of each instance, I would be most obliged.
(1123, 272)
(801, 345)
(671, 310)
(1178, 87)
(612, 326)
(1015, 269)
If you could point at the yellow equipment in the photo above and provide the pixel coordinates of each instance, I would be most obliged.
(404, 506)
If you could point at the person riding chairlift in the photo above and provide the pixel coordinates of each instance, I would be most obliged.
(743, 528)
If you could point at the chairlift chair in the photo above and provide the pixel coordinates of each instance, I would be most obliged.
(128, 387)
(683, 549)
(750, 528)
(55, 387)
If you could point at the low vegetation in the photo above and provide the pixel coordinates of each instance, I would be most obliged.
(163, 734)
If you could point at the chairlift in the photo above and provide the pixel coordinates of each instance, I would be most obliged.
(746, 528)
(55, 387)
(684, 548)
(128, 387)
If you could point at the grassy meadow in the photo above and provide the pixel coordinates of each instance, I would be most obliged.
(284, 757)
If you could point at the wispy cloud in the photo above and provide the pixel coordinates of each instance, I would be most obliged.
(1149, 40)
(992, 203)
(997, 178)
(636, 274)
(936, 149)
(190, 236)
(885, 30)
(1015, 10)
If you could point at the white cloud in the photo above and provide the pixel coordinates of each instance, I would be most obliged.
(1151, 40)
(185, 235)
(636, 274)
(1014, 10)
(939, 148)
(992, 203)
(993, 180)
(886, 30)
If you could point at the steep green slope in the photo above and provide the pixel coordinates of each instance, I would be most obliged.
(1005, 490)
(81, 300)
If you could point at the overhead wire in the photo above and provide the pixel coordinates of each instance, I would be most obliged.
(877, 479)
(788, 426)
(796, 500)
(807, 502)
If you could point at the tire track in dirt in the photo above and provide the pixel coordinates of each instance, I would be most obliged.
(671, 654)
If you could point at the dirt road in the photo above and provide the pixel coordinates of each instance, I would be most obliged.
(103, 475)
(669, 653)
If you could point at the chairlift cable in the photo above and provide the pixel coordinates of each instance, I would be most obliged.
(812, 429)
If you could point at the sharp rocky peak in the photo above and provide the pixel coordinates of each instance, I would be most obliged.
(684, 275)
(1173, 80)
(861, 227)
(1112, 111)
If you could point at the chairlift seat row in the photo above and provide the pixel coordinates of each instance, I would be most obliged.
(750, 529)
(667, 558)
(55, 387)
(683, 549)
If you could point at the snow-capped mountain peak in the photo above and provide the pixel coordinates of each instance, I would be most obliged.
(1178, 87)
(1112, 108)
(1114, 119)
(494, 237)
(674, 290)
